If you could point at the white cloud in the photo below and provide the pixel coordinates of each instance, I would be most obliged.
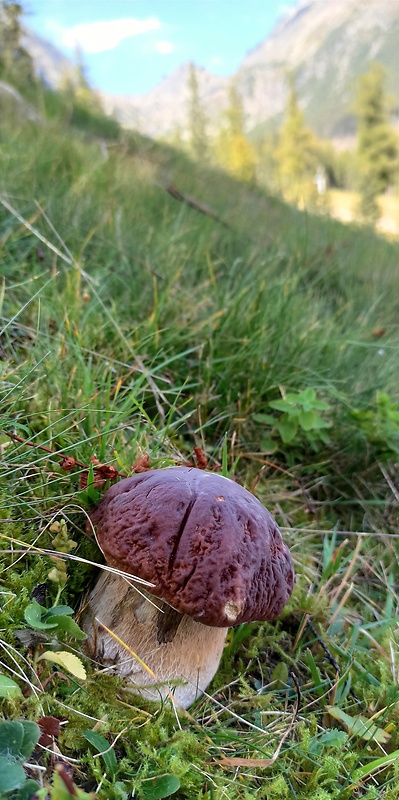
(164, 47)
(95, 37)
(216, 60)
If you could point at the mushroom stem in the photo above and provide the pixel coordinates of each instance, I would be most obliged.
(182, 654)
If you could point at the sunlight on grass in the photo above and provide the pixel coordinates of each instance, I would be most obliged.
(344, 205)
(149, 329)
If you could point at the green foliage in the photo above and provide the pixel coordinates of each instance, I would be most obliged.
(359, 726)
(56, 619)
(93, 121)
(233, 150)
(62, 788)
(8, 687)
(160, 786)
(300, 421)
(103, 747)
(63, 545)
(380, 424)
(197, 136)
(296, 154)
(18, 739)
(155, 329)
(377, 143)
(16, 64)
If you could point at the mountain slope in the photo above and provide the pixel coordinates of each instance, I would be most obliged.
(164, 108)
(326, 44)
(51, 66)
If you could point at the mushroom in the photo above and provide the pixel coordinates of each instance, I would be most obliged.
(214, 556)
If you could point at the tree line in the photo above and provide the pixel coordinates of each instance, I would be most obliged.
(293, 161)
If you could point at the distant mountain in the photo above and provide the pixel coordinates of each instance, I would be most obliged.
(50, 65)
(327, 44)
(164, 108)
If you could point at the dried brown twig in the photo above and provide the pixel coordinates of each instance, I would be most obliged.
(193, 203)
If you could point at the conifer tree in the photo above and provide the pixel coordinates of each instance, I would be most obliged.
(83, 93)
(16, 65)
(197, 137)
(296, 154)
(377, 143)
(234, 151)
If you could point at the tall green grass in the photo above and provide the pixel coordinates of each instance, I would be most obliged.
(131, 324)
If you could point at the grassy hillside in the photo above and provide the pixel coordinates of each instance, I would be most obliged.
(132, 323)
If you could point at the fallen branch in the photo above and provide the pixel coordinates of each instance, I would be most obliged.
(193, 203)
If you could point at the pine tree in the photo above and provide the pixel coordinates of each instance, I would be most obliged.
(197, 137)
(16, 65)
(377, 143)
(82, 91)
(296, 154)
(234, 151)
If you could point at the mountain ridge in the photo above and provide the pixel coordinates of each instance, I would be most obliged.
(325, 45)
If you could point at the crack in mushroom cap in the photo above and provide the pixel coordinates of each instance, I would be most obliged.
(210, 548)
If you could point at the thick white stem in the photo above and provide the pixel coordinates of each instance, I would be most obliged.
(183, 655)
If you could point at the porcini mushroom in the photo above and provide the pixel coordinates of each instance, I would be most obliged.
(214, 556)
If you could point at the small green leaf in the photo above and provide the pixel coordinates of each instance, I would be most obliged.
(69, 625)
(319, 405)
(296, 398)
(27, 790)
(332, 738)
(30, 738)
(121, 790)
(320, 423)
(67, 661)
(18, 738)
(92, 493)
(11, 738)
(264, 418)
(268, 446)
(282, 405)
(314, 671)
(372, 766)
(308, 395)
(307, 420)
(324, 437)
(60, 791)
(287, 428)
(159, 787)
(33, 615)
(104, 748)
(8, 687)
(57, 611)
(12, 775)
(359, 726)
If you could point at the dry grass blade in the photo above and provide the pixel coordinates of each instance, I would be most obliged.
(31, 549)
(264, 763)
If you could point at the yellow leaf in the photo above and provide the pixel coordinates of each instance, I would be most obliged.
(68, 661)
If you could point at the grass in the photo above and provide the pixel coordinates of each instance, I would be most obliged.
(132, 324)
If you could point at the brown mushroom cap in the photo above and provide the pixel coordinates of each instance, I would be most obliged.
(210, 548)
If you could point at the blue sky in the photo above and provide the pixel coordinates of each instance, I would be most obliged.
(128, 46)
